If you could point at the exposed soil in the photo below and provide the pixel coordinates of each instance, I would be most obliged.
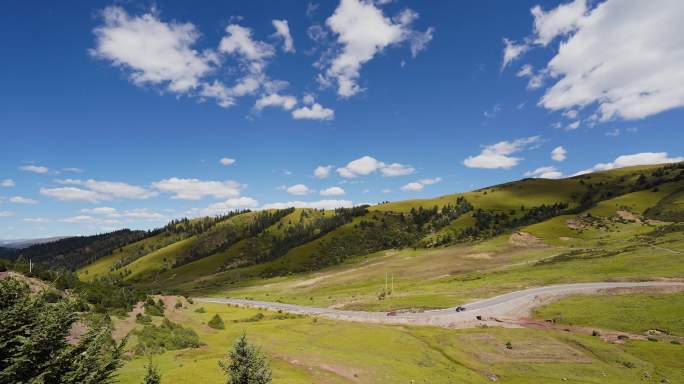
(525, 239)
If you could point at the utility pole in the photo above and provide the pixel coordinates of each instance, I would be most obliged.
(385, 282)
(30, 266)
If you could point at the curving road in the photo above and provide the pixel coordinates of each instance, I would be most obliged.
(499, 308)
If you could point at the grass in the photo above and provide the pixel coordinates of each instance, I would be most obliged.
(634, 313)
(302, 350)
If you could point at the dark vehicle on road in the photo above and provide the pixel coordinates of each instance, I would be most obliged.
(460, 309)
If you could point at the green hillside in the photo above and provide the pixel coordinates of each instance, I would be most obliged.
(489, 232)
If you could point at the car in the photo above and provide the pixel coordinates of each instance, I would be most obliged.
(392, 313)
(460, 309)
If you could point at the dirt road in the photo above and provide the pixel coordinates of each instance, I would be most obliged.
(496, 310)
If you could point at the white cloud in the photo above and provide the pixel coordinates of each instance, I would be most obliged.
(558, 21)
(643, 158)
(366, 165)
(285, 102)
(559, 154)
(155, 51)
(239, 41)
(412, 187)
(572, 126)
(314, 112)
(22, 200)
(571, 114)
(627, 73)
(117, 189)
(298, 189)
(6, 213)
(420, 184)
(107, 211)
(430, 181)
(322, 171)
(363, 31)
(72, 169)
(321, 204)
(194, 189)
(34, 168)
(143, 214)
(79, 219)
(549, 172)
(74, 194)
(283, 31)
(36, 220)
(499, 155)
(332, 191)
(396, 169)
(7, 183)
(227, 161)
(512, 51)
(224, 207)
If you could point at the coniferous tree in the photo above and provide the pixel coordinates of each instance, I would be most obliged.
(152, 376)
(33, 341)
(246, 364)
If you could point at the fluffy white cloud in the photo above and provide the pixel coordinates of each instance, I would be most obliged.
(74, 194)
(285, 102)
(227, 161)
(22, 200)
(412, 187)
(313, 112)
(627, 73)
(363, 31)
(239, 41)
(420, 184)
(143, 214)
(283, 31)
(558, 21)
(559, 154)
(366, 165)
(155, 51)
(321, 204)
(34, 168)
(332, 191)
(117, 189)
(643, 158)
(322, 171)
(396, 169)
(7, 183)
(79, 219)
(549, 172)
(572, 126)
(194, 189)
(224, 207)
(298, 189)
(499, 155)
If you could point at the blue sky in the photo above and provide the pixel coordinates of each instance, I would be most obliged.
(117, 114)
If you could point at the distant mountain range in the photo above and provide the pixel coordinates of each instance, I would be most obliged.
(25, 243)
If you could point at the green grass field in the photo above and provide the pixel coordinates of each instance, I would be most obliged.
(635, 313)
(304, 350)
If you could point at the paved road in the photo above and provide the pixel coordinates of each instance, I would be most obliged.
(507, 306)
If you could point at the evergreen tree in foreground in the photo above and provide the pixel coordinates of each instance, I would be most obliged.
(33, 341)
(152, 376)
(246, 365)
(216, 322)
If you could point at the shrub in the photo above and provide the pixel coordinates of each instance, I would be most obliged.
(200, 310)
(167, 336)
(143, 319)
(152, 376)
(258, 317)
(178, 305)
(153, 308)
(509, 345)
(216, 322)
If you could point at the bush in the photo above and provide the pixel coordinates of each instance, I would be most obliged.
(216, 322)
(143, 319)
(200, 310)
(258, 317)
(509, 345)
(153, 308)
(152, 376)
(167, 336)
(178, 305)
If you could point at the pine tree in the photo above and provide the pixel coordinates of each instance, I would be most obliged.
(33, 346)
(152, 376)
(246, 364)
